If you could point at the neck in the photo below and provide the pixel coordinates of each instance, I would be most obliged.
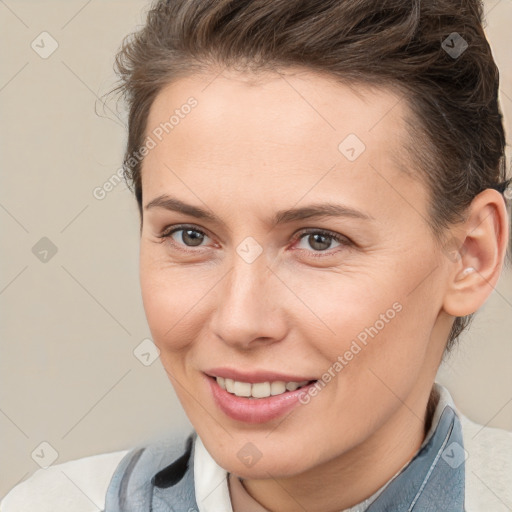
(354, 476)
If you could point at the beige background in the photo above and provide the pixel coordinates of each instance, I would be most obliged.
(70, 325)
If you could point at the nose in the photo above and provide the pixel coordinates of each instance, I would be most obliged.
(249, 308)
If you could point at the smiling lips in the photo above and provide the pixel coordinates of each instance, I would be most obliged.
(255, 397)
(258, 389)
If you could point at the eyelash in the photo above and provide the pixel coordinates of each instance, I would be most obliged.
(342, 240)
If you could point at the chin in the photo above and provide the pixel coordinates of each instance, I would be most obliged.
(247, 457)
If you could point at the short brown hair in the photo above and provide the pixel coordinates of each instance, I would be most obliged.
(456, 133)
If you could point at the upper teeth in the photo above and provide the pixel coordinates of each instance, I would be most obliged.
(258, 389)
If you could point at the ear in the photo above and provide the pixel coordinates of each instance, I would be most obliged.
(476, 250)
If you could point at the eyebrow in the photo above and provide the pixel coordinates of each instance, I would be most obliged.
(315, 210)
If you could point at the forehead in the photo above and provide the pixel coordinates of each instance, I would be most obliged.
(282, 98)
(276, 126)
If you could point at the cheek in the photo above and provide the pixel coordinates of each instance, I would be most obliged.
(375, 323)
(349, 305)
(170, 297)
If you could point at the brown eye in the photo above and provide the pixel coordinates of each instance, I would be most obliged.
(321, 241)
(184, 236)
(190, 237)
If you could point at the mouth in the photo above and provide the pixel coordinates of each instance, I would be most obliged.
(256, 402)
(258, 390)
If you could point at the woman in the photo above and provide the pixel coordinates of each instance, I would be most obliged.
(322, 196)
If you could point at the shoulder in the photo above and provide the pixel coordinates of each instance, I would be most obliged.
(79, 485)
(488, 466)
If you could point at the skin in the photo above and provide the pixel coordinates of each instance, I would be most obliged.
(258, 144)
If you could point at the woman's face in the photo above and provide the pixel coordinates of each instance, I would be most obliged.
(241, 279)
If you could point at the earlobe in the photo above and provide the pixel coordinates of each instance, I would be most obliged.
(473, 274)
